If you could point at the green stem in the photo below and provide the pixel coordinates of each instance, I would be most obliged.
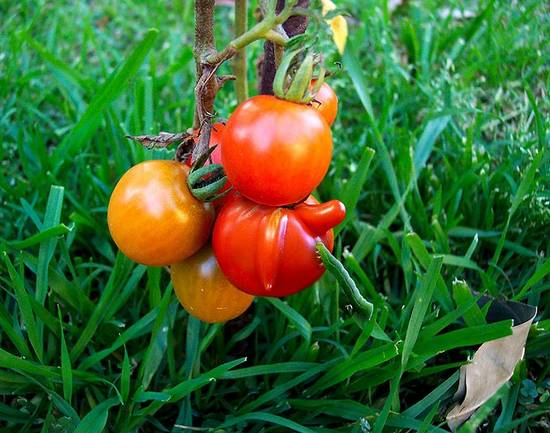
(240, 64)
(259, 31)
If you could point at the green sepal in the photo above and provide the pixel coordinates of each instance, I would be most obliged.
(206, 182)
(299, 87)
(279, 82)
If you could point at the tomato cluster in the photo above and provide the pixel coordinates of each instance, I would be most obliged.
(274, 153)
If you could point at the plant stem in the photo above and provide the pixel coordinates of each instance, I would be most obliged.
(205, 90)
(292, 25)
(240, 64)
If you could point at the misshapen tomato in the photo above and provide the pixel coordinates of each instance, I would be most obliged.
(276, 152)
(326, 102)
(152, 216)
(204, 291)
(269, 251)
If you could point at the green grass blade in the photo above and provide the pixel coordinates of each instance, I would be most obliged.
(47, 247)
(66, 370)
(422, 301)
(96, 419)
(293, 316)
(268, 418)
(354, 186)
(57, 230)
(25, 306)
(115, 85)
(426, 142)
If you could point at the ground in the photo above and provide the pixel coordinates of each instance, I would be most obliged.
(452, 96)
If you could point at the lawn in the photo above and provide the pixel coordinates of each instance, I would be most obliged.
(449, 98)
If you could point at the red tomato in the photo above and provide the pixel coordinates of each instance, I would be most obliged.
(152, 216)
(276, 152)
(326, 102)
(270, 251)
(204, 291)
(216, 133)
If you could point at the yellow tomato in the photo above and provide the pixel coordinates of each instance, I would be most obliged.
(152, 216)
(205, 292)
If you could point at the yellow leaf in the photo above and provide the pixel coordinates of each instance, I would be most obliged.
(338, 25)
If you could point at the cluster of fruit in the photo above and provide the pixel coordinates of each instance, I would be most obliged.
(265, 229)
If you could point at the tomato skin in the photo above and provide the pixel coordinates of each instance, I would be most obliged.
(204, 291)
(276, 152)
(270, 251)
(326, 102)
(152, 216)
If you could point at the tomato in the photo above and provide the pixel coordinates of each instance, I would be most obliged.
(270, 251)
(152, 216)
(216, 133)
(204, 291)
(326, 102)
(276, 152)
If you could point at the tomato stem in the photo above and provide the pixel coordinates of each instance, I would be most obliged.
(240, 64)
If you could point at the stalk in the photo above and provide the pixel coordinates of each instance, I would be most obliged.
(240, 64)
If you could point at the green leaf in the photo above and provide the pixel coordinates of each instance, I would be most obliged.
(125, 377)
(354, 186)
(463, 296)
(269, 418)
(158, 342)
(96, 419)
(463, 337)
(57, 230)
(66, 370)
(432, 398)
(541, 272)
(260, 370)
(293, 316)
(47, 246)
(422, 300)
(115, 85)
(426, 142)
(8, 329)
(25, 306)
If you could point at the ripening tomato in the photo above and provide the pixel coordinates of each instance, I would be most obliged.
(276, 152)
(326, 102)
(152, 216)
(270, 251)
(204, 291)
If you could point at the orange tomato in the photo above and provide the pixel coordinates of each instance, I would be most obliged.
(326, 102)
(152, 216)
(205, 292)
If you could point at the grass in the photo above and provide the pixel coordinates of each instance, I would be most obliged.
(456, 198)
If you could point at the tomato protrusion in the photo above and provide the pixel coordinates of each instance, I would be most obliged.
(321, 217)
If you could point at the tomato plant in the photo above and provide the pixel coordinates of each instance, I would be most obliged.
(152, 216)
(270, 251)
(326, 102)
(216, 134)
(204, 291)
(276, 152)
